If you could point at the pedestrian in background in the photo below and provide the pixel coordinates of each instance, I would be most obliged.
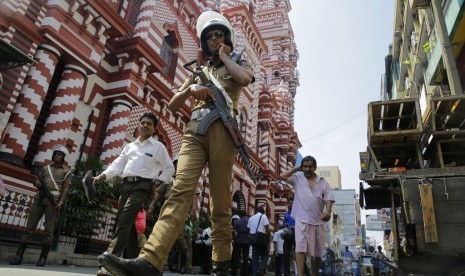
(377, 260)
(278, 243)
(313, 202)
(260, 252)
(241, 246)
(142, 164)
(289, 239)
(53, 184)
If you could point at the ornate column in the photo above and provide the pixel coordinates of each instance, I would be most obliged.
(62, 111)
(114, 140)
(29, 103)
(282, 159)
(147, 12)
(264, 142)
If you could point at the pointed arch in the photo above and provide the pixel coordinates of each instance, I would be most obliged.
(239, 203)
(163, 137)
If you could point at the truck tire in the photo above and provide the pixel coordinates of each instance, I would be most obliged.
(457, 271)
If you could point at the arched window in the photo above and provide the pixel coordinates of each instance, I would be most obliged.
(169, 54)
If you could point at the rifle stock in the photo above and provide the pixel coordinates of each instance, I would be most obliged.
(221, 107)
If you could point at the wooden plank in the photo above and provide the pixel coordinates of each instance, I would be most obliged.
(394, 225)
(429, 217)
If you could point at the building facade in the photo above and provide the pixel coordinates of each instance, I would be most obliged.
(346, 209)
(332, 174)
(100, 64)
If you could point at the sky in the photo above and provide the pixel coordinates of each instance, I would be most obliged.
(342, 45)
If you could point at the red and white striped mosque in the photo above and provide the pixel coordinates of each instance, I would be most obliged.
(85, 70)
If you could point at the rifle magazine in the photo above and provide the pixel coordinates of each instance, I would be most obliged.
(206, 122)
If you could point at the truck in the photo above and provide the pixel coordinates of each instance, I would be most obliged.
(415, 165)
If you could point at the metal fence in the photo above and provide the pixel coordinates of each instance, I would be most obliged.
(14, 210)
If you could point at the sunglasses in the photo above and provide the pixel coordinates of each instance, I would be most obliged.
(217, 34)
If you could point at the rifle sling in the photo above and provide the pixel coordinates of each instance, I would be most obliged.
(52, 178)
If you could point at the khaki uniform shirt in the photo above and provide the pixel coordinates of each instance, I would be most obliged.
(60, 174)
(221, 73)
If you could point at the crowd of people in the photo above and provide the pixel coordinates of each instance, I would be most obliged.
(222, 246)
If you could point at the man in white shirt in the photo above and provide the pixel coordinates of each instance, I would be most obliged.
(144, 164)
(278, 243)
(260, 254)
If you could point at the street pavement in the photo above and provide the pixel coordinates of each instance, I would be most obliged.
(51, 270)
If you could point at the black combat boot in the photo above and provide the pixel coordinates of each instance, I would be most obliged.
(220, 268)
(43, 255)
(183, 265)
(19, 254)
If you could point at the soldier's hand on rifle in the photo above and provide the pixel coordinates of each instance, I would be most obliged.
(200, 92)
(59, 205)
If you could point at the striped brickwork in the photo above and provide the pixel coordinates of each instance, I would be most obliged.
(147, 12)
(33, 13)
(29, 102)
(62, 111)
(115, 134)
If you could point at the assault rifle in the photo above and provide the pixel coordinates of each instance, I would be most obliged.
(221, 110)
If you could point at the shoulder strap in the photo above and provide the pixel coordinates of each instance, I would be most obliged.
(258, 223)
(229, 102)
(52, 178)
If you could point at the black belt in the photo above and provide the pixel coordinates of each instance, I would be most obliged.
(134, 179)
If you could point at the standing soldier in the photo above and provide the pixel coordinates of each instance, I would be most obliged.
(216, 148)
(53, 183)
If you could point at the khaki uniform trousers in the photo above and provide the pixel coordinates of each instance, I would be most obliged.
(39, 207)
(216, 148)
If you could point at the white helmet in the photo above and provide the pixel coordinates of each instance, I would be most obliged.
(61, 149)
(210, 20)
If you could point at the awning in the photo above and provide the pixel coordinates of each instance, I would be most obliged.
(11, 57)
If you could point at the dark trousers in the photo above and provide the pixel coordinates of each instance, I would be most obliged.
(41, 206)
(124, 239)
(278, 264)
(288, 248)
(238, 251)
(260, 256)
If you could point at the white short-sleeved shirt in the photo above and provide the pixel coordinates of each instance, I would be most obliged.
(279, 241)
(253, 222)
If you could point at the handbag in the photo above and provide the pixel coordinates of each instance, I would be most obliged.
(259, 239)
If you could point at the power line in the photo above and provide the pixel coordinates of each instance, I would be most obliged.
(335, 127)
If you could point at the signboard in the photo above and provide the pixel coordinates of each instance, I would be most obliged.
(363, 161)
(384, 214)
(373, 224)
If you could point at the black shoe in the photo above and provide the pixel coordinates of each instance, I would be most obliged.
(41, 262)
(17, 260)
(131, 267)
(220, 268)
(19, 254)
